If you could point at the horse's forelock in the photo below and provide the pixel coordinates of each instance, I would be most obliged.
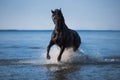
(58, 17)
(58, 12)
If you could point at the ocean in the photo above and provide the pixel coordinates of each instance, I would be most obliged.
(23, 56)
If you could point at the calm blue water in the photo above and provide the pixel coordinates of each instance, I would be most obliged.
(18, 46)
(23, 43)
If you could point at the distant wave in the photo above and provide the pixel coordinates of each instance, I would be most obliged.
(27, 47)
(7, 62)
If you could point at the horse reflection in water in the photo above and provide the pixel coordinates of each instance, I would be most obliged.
(62, 35)
(62, 72)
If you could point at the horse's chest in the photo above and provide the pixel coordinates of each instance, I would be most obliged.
(57, 38)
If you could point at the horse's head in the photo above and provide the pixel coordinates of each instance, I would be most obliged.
(57, 17)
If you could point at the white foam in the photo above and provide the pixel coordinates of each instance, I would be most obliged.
(69, 56)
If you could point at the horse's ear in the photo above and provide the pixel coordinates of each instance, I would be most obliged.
(52, 11)
(60, 9)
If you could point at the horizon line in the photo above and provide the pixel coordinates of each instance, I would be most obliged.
(53, 29)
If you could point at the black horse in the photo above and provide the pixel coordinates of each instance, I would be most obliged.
(62, 35)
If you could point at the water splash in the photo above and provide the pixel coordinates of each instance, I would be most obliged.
(69, 56)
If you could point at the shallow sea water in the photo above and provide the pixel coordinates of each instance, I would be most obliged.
(23, 57)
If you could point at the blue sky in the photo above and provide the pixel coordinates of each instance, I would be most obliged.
(79, 14)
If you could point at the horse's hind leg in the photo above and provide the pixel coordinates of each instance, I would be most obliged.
(60, 55)
(76, 44)
(74, 48)
(48, 49)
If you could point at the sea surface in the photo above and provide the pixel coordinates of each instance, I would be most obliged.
(23, 56)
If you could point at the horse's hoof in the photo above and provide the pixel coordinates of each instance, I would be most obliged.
(48, 57)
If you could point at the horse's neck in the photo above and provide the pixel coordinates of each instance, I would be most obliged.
(57, 30)
(61, 26)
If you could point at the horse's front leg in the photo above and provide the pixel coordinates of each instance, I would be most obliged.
(61, 52)
(48, 49)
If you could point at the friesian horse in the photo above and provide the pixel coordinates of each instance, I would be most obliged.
(62, 35)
